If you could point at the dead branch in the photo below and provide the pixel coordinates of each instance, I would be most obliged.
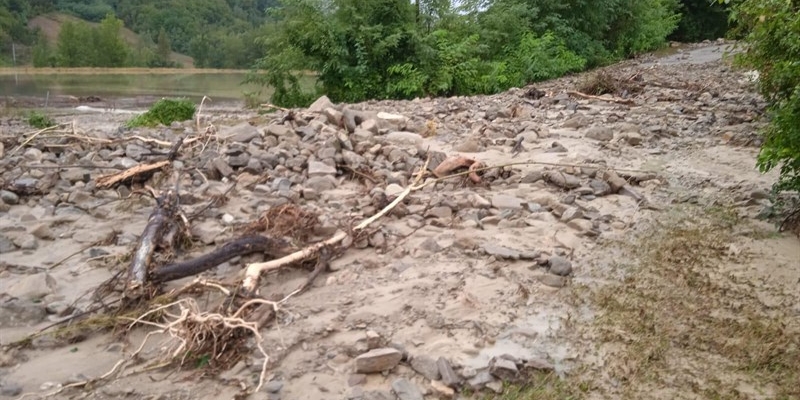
(161, 221)
(143, 171)
(238, 247)
(609, 99)
(107, 181)
(254, 271)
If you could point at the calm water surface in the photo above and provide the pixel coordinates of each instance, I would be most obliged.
(217, 86)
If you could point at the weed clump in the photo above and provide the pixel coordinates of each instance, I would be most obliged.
(40, 120)
(164, 111)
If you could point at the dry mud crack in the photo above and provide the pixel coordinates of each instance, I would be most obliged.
(622, 255)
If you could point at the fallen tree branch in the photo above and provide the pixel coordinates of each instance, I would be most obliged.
(107, 181)
(160, 222)
(609, 99)
(254, 271)
(238, 247)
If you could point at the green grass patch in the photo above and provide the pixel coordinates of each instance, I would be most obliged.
(164, 111)
(40, 120)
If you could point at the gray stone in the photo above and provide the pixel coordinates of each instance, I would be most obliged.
(18, 312)
(600, 188)
(370, 125)
(320, 104)
(500, 251)
(430, 245)
(562, 179)
(135, 151)
(207, 231)
(406, 390)
(281, 184)
(33, 287)
(10, 389)
(280, 131)
(449, 377)
(559, 266)
(241, 133)
(33, 154)
(378, 360)
(633, 138)
(356, 379)
(317, 168)
(480, 380)
(503, 369)
(273, 386)
(26, 242)
(239, 160)
(532, 177)
(6, 245)
(553, 281)
(222, 167)
(400, 137)
(425, 366)
(9, 197)
(570, 214)
(469, 146)
(393, 190)
(503, 201)
(321, 183)
(75, 175)
(440, 212)
(42, 231)
(601, 133)
(577, 121)
(352, 159)
(495, 386)
(335, 117)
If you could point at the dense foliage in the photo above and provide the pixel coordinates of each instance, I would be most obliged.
(164, 111)
(398, 49)
(225, 33)
(82, 45)
(772, 32)
(216, 33)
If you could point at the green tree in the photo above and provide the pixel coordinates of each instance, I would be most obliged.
(43, 55)
(771, 29)
(74, 45)
(110, 49)
(163, 50)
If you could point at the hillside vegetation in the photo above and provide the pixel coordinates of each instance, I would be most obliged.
(233, 33)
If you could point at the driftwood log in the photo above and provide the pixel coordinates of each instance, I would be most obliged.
(161, 221)
(237, 247)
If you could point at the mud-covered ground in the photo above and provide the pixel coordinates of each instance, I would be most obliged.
(667, 284)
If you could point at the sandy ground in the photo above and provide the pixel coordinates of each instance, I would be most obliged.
(462, 273)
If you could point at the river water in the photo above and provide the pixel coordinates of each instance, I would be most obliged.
(221, 87)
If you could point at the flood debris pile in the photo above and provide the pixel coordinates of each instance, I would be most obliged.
(411, 249)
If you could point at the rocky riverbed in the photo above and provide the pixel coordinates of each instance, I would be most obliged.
(462, 287)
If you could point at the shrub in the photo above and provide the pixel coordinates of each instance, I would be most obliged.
(164, 111)
(40, 120)
(771, 30)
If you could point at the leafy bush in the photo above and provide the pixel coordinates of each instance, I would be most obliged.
(40, 120)
(772, 33)
(399, 49)
(164, 111)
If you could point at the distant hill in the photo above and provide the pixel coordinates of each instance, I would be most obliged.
(50, 25)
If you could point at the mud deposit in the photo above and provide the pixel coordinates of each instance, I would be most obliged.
(619, 257)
